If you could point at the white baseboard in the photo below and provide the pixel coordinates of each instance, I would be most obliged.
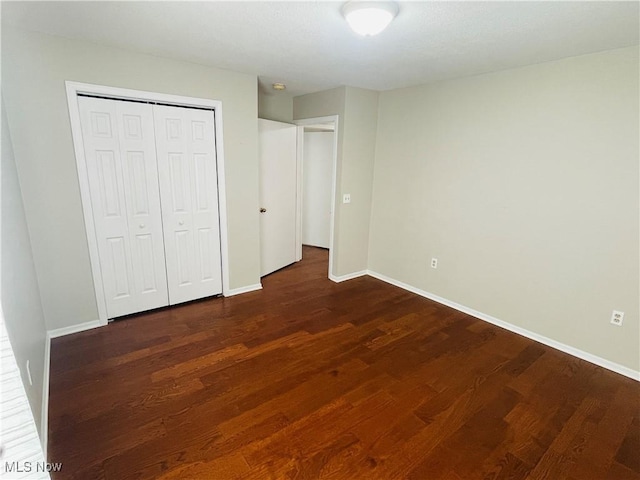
(348, 276)
(240, 290)
(44, 414)
(80, 327)
(602, 362)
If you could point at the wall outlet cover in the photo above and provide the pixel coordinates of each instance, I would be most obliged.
(617, 318)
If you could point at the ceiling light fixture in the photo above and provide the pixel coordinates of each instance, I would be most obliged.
(279, 86)
(369, 18)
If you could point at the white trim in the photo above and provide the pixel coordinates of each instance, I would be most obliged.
(299, 196)
(589, 357)
(73, 89)
(222, 197)
(130, 94)
(44, 414)
(348, 276)
(245, 289)
(80, 327)
(334, 179)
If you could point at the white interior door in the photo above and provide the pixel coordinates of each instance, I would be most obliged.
(121, 165)
(185, 142)
(316, 188)
(278, 190)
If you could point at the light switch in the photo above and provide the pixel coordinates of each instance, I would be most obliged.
(346, 198)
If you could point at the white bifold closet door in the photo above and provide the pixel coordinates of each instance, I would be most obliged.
(154, 195)
(185, 140)
(120, 153)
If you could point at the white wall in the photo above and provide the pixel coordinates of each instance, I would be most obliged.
(34, 69)
(316, 188)
(524, 184)
(20, 292)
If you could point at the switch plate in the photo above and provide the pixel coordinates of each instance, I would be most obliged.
(346, 198)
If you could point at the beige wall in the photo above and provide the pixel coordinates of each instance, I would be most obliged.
(357, 111)
(356, 177)
(34, 69)
(275, 106)
(21, 305)
(320, 104)
(524, 184)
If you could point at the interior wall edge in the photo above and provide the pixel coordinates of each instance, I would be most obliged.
(71, 329)
(348, 276)
(246, 289)
(24, 317)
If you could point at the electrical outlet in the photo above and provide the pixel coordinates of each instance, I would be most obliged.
(617, 318)
(29, 373)
(434, 263)
(346, 198)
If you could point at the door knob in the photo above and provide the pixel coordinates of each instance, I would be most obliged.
(180, 222)
(141, 225)
(262, 210)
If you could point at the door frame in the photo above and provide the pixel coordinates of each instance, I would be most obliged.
(334, 179)
(116, 93)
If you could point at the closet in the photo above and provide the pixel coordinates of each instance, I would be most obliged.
(153, 188)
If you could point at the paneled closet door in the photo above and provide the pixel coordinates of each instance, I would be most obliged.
(185, 144)
(120, 153)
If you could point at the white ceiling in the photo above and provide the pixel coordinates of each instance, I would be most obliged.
(308, 46)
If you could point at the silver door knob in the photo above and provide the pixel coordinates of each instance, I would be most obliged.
(141, 225)
(263, 210)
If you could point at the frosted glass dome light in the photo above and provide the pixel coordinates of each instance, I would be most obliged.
(369, 18)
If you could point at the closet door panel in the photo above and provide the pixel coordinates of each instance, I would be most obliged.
(183, 257)
(140, 167)
(106, 183)
(119, 267)
(205, 199)
(185, 144)
(119, 148)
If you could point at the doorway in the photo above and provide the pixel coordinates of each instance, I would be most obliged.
(298, 165)
(316, 185)
(317, 177)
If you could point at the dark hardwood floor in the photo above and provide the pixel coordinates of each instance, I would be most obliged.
(311, 379)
